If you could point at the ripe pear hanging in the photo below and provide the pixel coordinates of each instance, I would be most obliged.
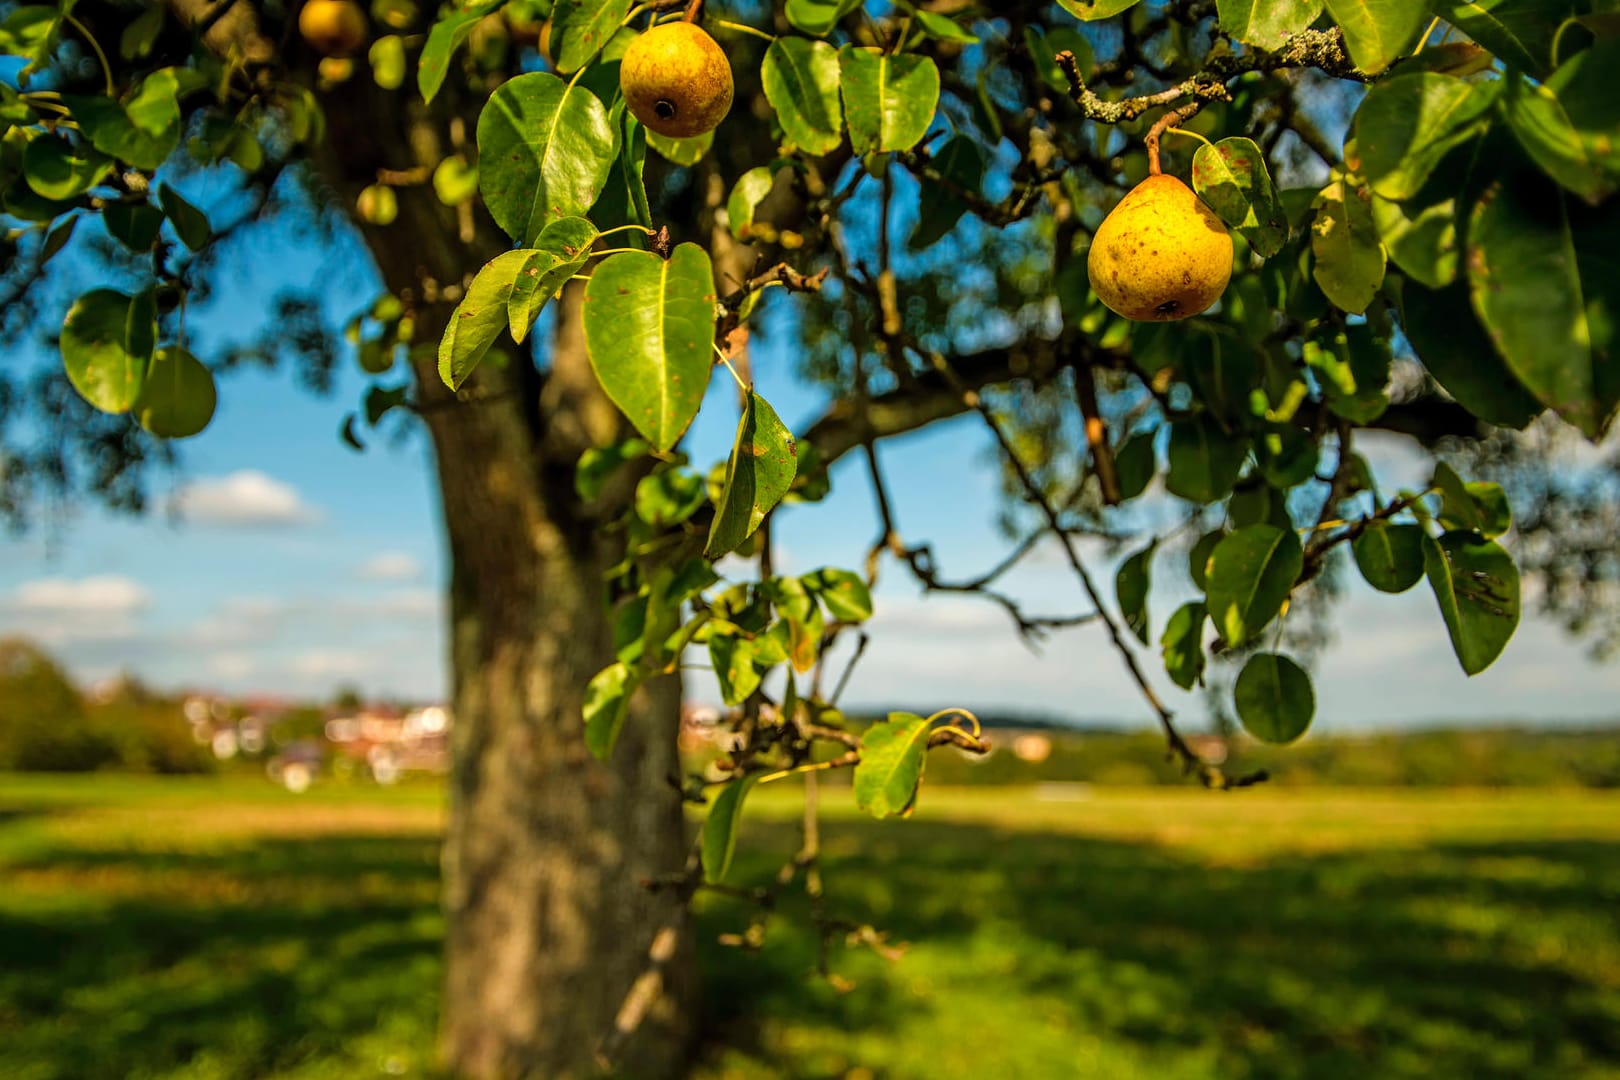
(676, 80)
(333, 27)
(1161, 254)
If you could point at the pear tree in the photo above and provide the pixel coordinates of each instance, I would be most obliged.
(1164, 256)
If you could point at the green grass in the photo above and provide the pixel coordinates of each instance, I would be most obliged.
(221, 928)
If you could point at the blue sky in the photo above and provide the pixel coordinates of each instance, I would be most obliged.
(285, 562)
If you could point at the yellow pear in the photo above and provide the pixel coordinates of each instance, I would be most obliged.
(1161, 254)
(333, 27)
(676, 80)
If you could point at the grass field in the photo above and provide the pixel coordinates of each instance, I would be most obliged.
(222, 928)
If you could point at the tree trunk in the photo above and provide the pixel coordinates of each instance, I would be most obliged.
(560, 963)
(551, 936)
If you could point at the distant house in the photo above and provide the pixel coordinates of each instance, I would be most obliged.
(392, 742)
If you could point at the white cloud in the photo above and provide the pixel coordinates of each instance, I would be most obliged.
(240, 621)
(403, 604)
(90, 611)
(104, 594)
(391, 566)
(231, 665)
(332, 664)
(243, 499)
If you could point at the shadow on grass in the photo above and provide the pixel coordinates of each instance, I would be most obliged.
(308, 958)
(1031, 955)
(1489, 960)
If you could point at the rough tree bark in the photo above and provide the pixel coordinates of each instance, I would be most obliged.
(554, 949)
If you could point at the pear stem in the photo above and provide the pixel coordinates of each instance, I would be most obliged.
(726, 360)
(693, 10)
(1189, 134)
(742, 29)
(1163, 123)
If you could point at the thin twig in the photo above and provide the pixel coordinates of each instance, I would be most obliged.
(1211, 775)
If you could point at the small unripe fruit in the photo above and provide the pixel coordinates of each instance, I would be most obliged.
(1161, 254)
(676, 80)
(333, 27)
(378, 205)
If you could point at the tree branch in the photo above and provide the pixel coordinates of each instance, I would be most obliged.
(842, 427)
(1320, 49)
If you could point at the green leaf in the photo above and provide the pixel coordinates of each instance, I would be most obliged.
(107, 341)
(1266, 23)
(1286, 455)
(720, 828)
(663, 617)
(1570, 124)
(14, 111)
(178, 397)
(190, 224)
(154, 105)
(30, 31)
(1254, 502)
(1183, 645)
(1274, 698)
(751, 189)
(1043, 49)
(55, 169)
(480, 316)
(1445, 333)
(1493, 513)
(1352, 365)
(1089, 10)
(1389, 556)
(818, 17)
(1421, 241)
(1135, 464)
(942, 28)
(1220, 368)
(561, 251)
(889, 100)
(1204, 460)
(649, 330)
(762, 468)
(893, 753)
(597, 464)
(1479, 506)
(733, 659)
(939, 206)
(1477, 587)
(545, 151)
(683, 152)
(607, 703)
(1231, 176)
(1198, 557)
(1407, 123)
(1457, 510)
(1251, 573)
(1519, 32)
(667, 497)
(625, 202)
(804, 639)
(843, 592)
(581, 28)
(444, 39)
(1377, 31)
(1546, 284)
(141, 33)
(801, 79)
(1131, 584)
(1349, 259)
